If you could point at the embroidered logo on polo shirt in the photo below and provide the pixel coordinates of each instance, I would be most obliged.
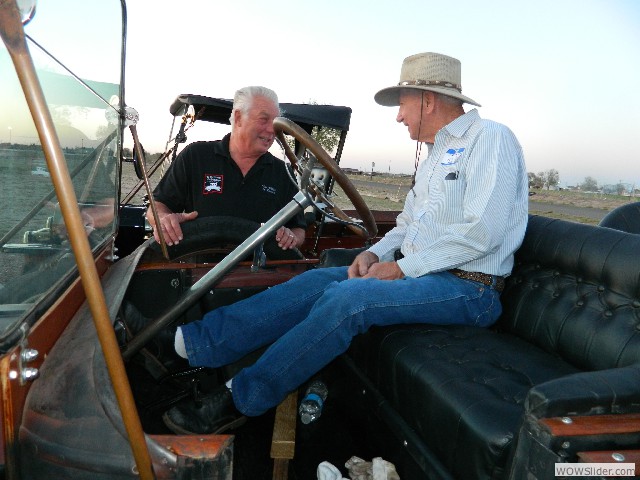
(212, 184)
(269, 189)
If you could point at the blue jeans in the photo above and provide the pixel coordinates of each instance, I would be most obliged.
(311, 319)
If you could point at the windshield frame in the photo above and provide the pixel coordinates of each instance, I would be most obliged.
(19, 317)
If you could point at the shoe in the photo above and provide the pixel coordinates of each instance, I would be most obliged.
(133, 318)
(214, 413)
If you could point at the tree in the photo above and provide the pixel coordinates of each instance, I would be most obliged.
(590, 184)
(534, 180)
(550, 178)
(328, 138)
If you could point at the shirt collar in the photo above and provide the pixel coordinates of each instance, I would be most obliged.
(460, 125)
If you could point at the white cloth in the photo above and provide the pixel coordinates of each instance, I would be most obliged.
(383, 470)
(378, 469)
(327, 471)
(358, 469)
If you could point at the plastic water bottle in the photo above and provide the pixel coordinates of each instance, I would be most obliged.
(311, 405)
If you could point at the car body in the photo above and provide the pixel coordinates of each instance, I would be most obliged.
(64, 416)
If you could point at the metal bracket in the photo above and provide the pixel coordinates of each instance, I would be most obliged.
(25, 374)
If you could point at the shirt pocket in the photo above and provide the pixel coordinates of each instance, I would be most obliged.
(447, 192)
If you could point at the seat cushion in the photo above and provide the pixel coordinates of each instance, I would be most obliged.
(460, 388)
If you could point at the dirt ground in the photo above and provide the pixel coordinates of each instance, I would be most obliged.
(388, 192)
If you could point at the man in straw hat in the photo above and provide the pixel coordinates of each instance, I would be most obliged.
(444, 262)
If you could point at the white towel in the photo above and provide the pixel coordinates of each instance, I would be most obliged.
(327, 471)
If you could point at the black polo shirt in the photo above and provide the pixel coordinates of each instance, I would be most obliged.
(205, 178)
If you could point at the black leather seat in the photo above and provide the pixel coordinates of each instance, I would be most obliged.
(566, 338)
(625, 218)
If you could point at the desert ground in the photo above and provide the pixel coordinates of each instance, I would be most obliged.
(387, 192)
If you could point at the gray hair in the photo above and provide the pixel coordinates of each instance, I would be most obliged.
(243, 99)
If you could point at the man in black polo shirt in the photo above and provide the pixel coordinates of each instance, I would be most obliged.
(235, 176)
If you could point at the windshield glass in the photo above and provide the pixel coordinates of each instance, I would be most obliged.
(35, 255)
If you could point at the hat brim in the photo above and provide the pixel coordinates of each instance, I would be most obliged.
(390, 96)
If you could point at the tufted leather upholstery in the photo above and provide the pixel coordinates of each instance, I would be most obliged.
(568, 342)
(575, 292)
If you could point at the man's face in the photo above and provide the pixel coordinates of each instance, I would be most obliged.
(410, 113)
(255, 129)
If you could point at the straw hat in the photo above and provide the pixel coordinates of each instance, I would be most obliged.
(426, 71)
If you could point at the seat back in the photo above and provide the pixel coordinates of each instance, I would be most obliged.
(625, 218)
(575, 292)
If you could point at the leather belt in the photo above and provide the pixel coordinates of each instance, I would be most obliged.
(483, 278)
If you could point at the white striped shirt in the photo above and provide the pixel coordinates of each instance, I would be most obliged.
(469, 206)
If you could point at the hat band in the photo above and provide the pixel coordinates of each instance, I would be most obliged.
(431, 82)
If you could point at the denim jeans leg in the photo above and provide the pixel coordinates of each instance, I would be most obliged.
(228, 333)
(351, 307)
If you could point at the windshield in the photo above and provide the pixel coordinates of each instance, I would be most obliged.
(35, 255)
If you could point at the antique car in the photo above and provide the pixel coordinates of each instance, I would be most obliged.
(106, 421)
(89, 302)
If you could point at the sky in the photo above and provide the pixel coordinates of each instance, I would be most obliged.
(562, 74)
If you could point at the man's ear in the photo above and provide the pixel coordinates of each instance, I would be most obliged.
(428, 101)
(237, 117)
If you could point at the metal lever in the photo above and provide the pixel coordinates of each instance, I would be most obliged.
(259, 257)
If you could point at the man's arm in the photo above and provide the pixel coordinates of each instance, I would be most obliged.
(385, 248)
(99, 215)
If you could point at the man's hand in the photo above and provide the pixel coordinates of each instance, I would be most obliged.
(289, 238)
(170, 225)
(367, 265)
(385, 271)
(361, 264)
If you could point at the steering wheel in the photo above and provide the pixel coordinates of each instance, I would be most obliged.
(283, 126)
